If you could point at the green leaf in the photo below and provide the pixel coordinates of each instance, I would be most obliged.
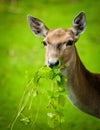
(61, 100)
(44, 72)
(56, 70)
(35, 93)
(58, 78)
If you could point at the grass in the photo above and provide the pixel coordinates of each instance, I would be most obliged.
(21, 54)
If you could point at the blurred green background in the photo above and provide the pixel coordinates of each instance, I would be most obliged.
(21, 54)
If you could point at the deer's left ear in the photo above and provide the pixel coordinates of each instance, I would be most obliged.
(37, 26)
(79, 24)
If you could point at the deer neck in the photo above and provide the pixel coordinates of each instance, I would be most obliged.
(73, 66)
(75, 73)
(83, 86)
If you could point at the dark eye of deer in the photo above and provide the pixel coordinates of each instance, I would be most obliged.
(44, 43)
(70, 43)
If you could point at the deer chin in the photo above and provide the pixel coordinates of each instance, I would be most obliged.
(63, 71)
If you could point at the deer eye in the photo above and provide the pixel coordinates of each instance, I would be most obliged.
(44, 43)
(70, 43)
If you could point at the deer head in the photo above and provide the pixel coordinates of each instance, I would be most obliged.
(59, 43)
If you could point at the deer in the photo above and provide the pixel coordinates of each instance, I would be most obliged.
(83, 86)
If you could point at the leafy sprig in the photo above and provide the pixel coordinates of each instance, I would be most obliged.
(56, 98)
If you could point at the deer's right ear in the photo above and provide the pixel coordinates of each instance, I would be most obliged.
(79, 24)
(37, 26)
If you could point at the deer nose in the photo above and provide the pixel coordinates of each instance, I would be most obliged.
(52, 64)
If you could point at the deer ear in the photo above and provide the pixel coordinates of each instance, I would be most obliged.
(37, 26)
(79, 24)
